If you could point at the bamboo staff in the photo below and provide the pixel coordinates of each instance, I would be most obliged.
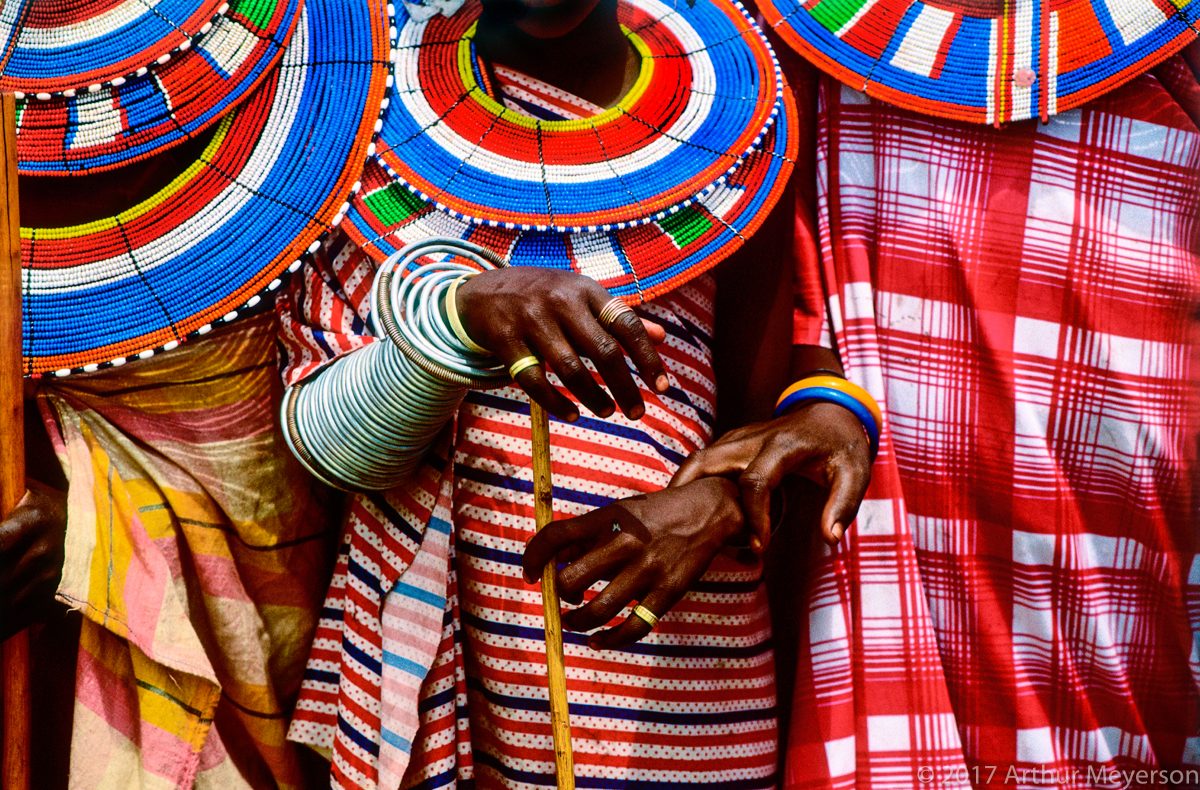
(543, 504)
(12, 445)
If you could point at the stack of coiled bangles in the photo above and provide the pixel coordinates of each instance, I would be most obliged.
(366, 422)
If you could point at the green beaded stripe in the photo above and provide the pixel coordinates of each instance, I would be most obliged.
(685, 226)
(257, 12)
(394, 203)
(834, 14)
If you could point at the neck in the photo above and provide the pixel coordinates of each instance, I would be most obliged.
(590, 60)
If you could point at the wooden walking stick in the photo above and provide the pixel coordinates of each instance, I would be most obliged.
(543, 510)
(15, 764)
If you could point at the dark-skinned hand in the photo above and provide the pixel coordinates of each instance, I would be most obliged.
(665, 541)
(820, 441)
(31, 557)
(552, 314)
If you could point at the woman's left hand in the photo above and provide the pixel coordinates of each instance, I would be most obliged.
(653, 547)
(820, 441)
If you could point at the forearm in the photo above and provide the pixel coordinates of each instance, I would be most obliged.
(811, 360)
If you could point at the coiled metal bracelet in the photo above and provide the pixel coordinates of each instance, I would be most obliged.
(366, 421)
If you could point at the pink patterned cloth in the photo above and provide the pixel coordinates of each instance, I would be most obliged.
(1018, 604)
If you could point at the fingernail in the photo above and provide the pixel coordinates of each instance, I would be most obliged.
(636, 413)
(594, 644)
(573, 416)
(838, 531)
(662, 384)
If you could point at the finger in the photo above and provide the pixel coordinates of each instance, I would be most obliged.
(654, 331)
(847, 486)
(609, 358)
(630, 332)
(629, 584)
(558, 536)
(533, 380)
(660, 600)
(598, 564)
(755, 484)
(553, 347)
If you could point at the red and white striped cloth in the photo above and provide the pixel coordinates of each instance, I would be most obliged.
(428, 668)
(1018, 604)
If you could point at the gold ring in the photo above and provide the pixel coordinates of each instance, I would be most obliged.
(613, 309)
(647, 616)
(522, 364)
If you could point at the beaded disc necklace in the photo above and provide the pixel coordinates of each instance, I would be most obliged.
(271, 183)
(708, 91)
(986, 61)
(645, 251)
(56, 46)
(129, 119)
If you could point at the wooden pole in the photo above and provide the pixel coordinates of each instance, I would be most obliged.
(17, 706)
(543, 503)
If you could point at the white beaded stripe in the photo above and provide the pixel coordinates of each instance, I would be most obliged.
(7, 28)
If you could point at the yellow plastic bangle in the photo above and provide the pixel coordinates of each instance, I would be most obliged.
(456, 324)
(848, 387)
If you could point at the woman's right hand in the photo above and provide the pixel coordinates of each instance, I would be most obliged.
(553, 315)
(31, 557)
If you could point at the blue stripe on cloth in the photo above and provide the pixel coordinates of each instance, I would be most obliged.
(627, 714)
(320, 676)
(538, 779)
(359, 655)
(418, 594)
(536, 110)
(365, 576)
(589, 423)
(403, 744)
(526, 486)
(359, 740)
(640, 648)
(444, 779)
(404, 665)
(437, 700)
(514, 559)
(318, 336)
(393, 516)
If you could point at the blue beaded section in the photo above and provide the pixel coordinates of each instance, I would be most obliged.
(337, 79)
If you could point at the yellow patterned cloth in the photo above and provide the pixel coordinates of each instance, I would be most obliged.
(198, 554)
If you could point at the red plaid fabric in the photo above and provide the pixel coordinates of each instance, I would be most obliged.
(1018, 604)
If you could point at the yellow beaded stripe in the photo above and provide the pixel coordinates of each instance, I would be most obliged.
(842, 385)
(147, 205)
(466, 70)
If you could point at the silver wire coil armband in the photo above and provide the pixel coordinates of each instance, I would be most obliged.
(365, 422)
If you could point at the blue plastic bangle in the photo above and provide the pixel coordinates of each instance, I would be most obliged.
(830, 395)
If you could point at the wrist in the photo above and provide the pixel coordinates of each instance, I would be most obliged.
(840, 392)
